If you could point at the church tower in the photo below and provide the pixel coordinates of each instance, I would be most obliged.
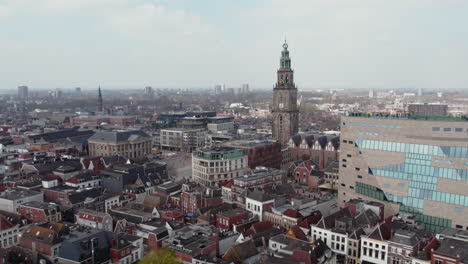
(284, 111)
(100, 107)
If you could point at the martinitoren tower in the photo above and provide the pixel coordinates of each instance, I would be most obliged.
(285, 112)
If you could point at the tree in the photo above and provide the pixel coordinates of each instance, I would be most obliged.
(162, 256)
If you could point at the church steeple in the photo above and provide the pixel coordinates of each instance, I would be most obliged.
(285, 61)
(100, 107)
(284, 109)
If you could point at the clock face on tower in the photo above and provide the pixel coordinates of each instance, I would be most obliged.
(281, 81)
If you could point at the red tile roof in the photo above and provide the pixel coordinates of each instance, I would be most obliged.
(259, 227)
(292, 213)
(4, 223)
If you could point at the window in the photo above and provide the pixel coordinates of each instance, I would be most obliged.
(351, 142)
(438, 261)
(459, 226)
(447, 129)
(436, 129)
(458, 129)
(359, 176)
(349, 155)
(358, 169)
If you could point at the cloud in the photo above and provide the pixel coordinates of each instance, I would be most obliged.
(154, 22)
(4, 11)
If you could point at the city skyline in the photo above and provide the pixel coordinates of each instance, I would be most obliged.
(337, 44)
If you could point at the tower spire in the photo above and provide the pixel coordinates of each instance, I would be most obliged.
(100, 106)
(285, 61)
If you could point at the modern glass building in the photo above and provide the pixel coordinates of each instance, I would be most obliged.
(416, 166)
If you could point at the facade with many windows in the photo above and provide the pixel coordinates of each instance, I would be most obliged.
(130, 144)
(417, 167)
(214, 165)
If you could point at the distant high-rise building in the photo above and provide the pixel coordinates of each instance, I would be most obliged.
(23, 92)
(78, 89)
(100, 107)
(57, 93)
(285, 112)
(217, 89)
(413, 165)
(149, 91)
(245, 88)
(420, 92)
(371, 93)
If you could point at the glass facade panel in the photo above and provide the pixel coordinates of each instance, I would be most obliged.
(422, 167)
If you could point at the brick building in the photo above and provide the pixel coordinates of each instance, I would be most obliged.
(225, 220)
(320, 148)
(265, 153)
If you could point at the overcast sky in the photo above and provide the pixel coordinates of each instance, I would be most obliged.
(198, 43)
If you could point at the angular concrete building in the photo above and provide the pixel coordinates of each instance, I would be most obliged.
(416, 166)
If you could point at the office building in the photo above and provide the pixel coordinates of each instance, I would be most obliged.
(427, 109)
(148, 91)
(416, 166)
(214, 165)
(23, 92)
(182, 139)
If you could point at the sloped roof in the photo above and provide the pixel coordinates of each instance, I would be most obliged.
(312, 219)
(118, 136)
(292, 213)
(259, 227)
(42, 234)
(366, 218)
(296, 232)
(260, 196)
(241, 251)
(4, 223)
(329, 221)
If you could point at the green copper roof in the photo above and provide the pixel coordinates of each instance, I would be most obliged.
(285, 61)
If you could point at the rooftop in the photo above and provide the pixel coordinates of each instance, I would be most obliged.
(18, 194)
(408, 117)
(233, 212)
(258, 173)
(118, 136)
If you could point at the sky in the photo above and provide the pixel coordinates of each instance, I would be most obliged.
(200, 43)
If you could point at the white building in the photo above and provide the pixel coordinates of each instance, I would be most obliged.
(11, 199)
(257, 202)
(213, 165)
(94, 219)
(8, 233)
(374, 247)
